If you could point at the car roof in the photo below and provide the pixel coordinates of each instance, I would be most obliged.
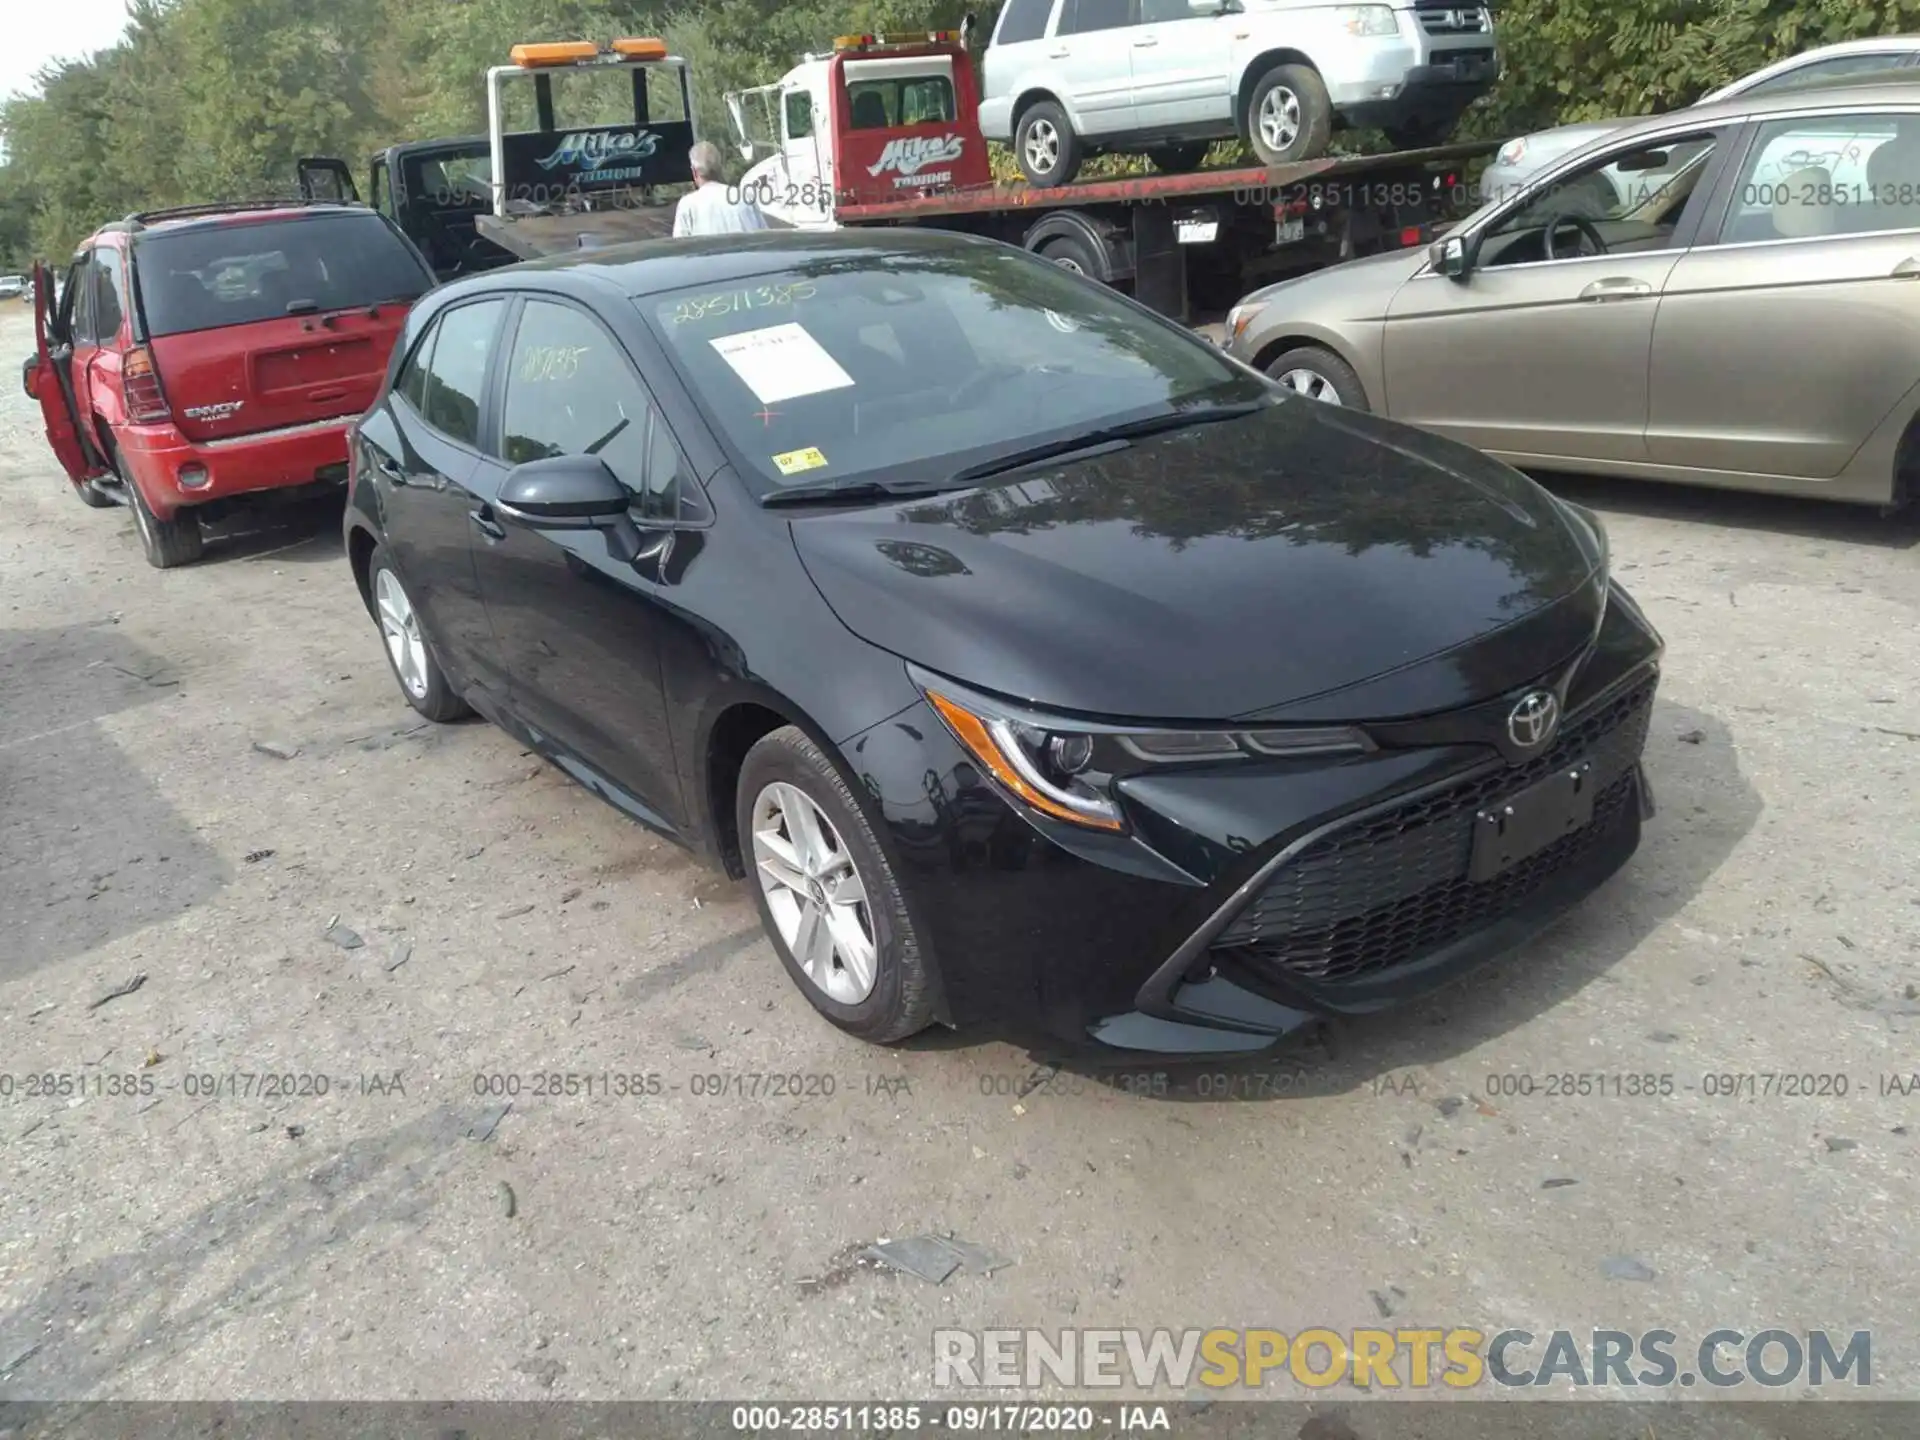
(215, 216)
(1875, 93)
(650, 267)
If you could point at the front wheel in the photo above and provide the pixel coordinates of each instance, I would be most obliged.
(1045, 146)
(1289, 115)
(827, 893)
(421, 679)
(1316, 374)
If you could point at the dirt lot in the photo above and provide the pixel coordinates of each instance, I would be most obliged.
(201, 769)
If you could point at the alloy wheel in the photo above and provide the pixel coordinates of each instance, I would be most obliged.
(1280, 118)
(815, 893)
(401, 627)
(1311, 385)
(1043, 147)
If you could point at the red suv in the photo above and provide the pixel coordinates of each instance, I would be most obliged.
(201, 355)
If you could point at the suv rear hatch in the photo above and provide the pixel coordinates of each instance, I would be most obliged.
(261, 324)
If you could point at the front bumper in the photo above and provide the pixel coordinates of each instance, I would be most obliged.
(1435, 94)
(1243, 905)
(301, 456)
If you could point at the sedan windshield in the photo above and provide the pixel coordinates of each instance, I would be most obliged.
(915, 368)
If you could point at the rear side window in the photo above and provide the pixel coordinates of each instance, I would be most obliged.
(1081, 16)
(413, 375)
(107, 286)
(456, 371)
(1023, 20)
(212, 276)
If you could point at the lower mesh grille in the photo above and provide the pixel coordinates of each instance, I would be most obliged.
(1393, 888)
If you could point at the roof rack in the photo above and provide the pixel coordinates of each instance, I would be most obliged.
(227, 207)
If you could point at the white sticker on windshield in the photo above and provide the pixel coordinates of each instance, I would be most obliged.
(781, 362)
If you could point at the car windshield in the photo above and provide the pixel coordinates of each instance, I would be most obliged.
(209, 276)
(906, 368)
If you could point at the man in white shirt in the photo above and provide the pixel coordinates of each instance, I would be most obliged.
(708, 208)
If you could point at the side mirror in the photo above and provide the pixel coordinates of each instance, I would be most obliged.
(564, 492)
(1449, 257)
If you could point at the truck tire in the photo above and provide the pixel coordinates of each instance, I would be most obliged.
(1071, 252)
(1179, 159)
(167, 543)
(1316, 374)
(1289, 115)
(1044, 145)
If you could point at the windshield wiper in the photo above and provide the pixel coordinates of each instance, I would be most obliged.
(1105, 438)
(842, 494)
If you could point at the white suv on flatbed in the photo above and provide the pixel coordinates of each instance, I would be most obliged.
(1068, 78)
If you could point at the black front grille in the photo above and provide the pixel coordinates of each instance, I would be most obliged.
(1393, 887)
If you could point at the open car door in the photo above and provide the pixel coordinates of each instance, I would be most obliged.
(325, 178)
(48, 378)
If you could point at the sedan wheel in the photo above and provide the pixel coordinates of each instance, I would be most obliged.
(401, 629)
(827, 890)
(421, 679)
(815, 893)
(1311, 384)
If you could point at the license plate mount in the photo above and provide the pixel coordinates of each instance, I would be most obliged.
(1290, 232)
(1522, 825)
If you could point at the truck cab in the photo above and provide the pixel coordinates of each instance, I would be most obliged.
(881, 118)
(605, 167)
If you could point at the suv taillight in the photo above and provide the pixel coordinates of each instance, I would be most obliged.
(140, 383)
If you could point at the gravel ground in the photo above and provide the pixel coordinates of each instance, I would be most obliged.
(202, 771)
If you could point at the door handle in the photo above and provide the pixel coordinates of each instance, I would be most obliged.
(389, 468)
(1058, 54)
(484, 522)
(1143, 44)
(1907, 269)
(1617, 287)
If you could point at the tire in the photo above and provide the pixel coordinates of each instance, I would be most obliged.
(1318, 374)
(1300, 128)
(409, 656)
(90, 497)
(1073, 253)
(898, 999)
(166, 543)
(1044, 145)
(1179, 159)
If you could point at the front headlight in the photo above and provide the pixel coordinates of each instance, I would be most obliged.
(1367, 19)
(1241, 316)
(1066, 770)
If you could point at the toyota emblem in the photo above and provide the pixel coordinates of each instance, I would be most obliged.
(1532, 722)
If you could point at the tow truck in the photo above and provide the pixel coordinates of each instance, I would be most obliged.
(884, 130)
(477, 202)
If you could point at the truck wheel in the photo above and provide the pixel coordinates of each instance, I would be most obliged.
(1179, 159)
(167, 543)
(1289, 115)
(1045, 146)
(1071, 252)
(1316, 374)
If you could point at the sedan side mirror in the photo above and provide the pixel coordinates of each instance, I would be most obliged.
(564, 492)
(1450, 257)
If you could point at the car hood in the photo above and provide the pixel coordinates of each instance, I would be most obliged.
(1357, 289)
(1546, 146)
(1257, 566)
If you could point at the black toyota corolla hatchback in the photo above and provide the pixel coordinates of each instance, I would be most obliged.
(1036, 664)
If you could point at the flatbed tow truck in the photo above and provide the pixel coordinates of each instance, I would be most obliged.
(884, 130)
